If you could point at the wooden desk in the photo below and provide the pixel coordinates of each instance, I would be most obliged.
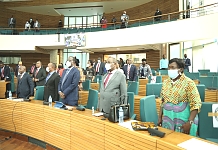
(83, 97)
(142, 86)
(95, 86)
(79, 129)
(2, 88)
(211, 96)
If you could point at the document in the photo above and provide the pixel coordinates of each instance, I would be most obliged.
(215, 118)
(153, 79)
(98, 114)
(195, 144)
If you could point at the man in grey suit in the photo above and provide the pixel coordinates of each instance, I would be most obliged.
(25, 86)
(113, 87)
(11, 22)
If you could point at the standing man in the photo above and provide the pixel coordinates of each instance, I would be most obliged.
(17, 68)
(5, 75)
(51, 83)
(187, 62)
(25, 85)
(113, 87)
(68, 85)
(11, 22)
(39, 74)
(164, 63)
(130, 70)
(99, 67)
(144, 69)
(157, 13)
(124, 19)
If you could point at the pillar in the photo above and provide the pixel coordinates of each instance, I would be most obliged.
(61, 56)
(53, 56)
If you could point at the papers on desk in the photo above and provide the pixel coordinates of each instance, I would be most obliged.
(127, 124)
(153, 79)
(197, 144)
(215, 118)
(98, 114)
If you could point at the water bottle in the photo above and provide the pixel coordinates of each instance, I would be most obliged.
(93, 110)
(50, 101)
(10, 95)
(120, 115)
(97, 80)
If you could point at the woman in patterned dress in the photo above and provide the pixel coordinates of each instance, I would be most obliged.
(181, 101)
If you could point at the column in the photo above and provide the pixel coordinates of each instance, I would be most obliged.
(53, 56)
(61, 56)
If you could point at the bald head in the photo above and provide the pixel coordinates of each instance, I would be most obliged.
(52, 67)
(22, 69)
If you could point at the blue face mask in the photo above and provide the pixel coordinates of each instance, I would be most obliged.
(173, 73)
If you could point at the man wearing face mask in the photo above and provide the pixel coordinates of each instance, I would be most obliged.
(187, 62)
(130, 70)
(68, 85)
(51, 83)
(60, 69)
(181, 101)
(99, 67)
(25, 85)
(39, 74)
(113, 87)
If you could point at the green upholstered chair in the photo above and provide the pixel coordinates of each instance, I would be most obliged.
(212, 74)
(163, 72)
(148, 111)
(203, 72)
(158, 79)
(193, 75)
(209, 81)
(99, 87)
(86, 85)
(137, 79)
(205, 124)
(39, 93)
(201, 90)
(12, 82)
(153, 89)
(130, 101)
(99, 77)
(153, 72)
(92, 99)
(133, 87)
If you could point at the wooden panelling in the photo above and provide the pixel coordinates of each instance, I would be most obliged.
(211, 96)
(95, 86)
(2, 89)
(83, 97)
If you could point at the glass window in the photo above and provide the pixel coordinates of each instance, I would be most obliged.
(66, 23)
(90, 21)
(72, 22)
(137, 58)
(96, 21)
(84, 22)
(79, 22)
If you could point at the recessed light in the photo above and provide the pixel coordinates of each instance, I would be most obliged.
(69, 10)
(118, 48)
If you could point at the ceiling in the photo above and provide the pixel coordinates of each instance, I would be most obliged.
(81, 9)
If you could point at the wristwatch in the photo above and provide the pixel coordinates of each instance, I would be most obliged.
(191, 121)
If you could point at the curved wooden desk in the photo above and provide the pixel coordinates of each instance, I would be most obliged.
(78, 129)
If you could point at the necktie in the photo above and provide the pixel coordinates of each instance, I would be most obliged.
(2, 73)
(97, 67)
(47, 77)
(107, 79)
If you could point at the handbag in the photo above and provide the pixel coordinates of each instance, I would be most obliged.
(114, 112)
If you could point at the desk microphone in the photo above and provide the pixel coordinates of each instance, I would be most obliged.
(154, 132)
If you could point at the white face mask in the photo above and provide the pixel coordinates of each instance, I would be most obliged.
(87, 65)
(68, 64)
(99, 61)
(47, 69)
(107, 66)
(173, 73)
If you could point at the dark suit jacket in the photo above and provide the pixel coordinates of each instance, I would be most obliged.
(51, 87)
(101, 68)
(25, 86)
(7, 73)
(16, 71)
(187, 63)
(70, 86)
(41, 75)
(132, 72)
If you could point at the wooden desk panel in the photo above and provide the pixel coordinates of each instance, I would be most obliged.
(211, 96)
(95, 86)
(2, 89)
(142, 90)
(143, 81)
(83, 97)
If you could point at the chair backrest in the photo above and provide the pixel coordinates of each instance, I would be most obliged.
(158, 79)
(99, 77)
(163, 72)
(205, 123)
(209, 81)
(137, 79)
(92, 99)
(212, 74)
(193, 75)
(148, 111)
(131, 102)
(203, 72)
(153, 72)
(39, 93)
(201, 90)
(133, 87)
(153, 89)
(86, 85)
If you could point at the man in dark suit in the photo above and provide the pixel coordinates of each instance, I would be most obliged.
(187, 62)
(5, 75)
(157, 13)
(68, 85)
(17, 68)
(25, 85)
(130, 71)
(11, 22)
(51, 83)
(99, 67)
(39, 74)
